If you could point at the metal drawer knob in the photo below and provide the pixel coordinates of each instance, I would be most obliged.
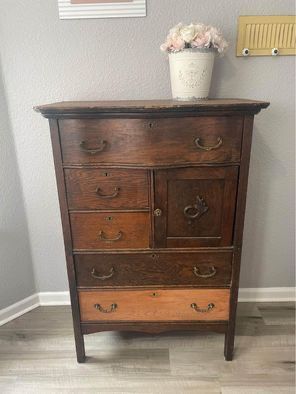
(157, 212)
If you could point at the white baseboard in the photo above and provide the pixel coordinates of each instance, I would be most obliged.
(267, 294)
(19, 308)
(54, 298)
(263, 294)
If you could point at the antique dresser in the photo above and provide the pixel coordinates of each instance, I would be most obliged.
(152, 197)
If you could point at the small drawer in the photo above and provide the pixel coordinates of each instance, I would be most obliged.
(89, 188)
(110, 230)
(154, 305)
(149, 269)
(151, 142)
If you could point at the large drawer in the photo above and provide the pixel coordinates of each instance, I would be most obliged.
(154, 305)
(215, 139)
(109, 188)
(110, 230)
(148, 269)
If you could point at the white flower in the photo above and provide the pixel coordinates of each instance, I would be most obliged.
(176, 30)
(188, 33)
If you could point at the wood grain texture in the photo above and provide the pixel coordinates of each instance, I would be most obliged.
(166, 269)
(154, 305)
(118, 230)
(238, 233)
(151, 142)
(175, 177)
(79, 342)
(177, 189)
(106, 188)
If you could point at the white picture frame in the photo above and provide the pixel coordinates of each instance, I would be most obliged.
(88, 9)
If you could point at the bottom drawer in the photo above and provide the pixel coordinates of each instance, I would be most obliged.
(154, 305)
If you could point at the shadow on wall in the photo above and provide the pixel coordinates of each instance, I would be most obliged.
(16, 269)
(258, 200)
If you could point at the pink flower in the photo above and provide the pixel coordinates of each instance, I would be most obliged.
(194, 36)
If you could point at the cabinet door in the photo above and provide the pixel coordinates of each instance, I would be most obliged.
(194, 207)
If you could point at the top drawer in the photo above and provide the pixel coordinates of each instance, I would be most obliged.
(151, 142)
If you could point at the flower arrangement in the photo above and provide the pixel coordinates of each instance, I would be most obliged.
(198, 35)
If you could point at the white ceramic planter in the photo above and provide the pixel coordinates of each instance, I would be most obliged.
(191, 73)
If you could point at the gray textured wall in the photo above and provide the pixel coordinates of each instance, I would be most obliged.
(45, 59)
(16, 272)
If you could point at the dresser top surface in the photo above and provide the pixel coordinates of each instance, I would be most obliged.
(146, 106)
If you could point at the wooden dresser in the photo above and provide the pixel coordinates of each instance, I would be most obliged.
(152, 197)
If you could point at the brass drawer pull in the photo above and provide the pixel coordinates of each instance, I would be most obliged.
(92, 151)
(208, 148)
(212, 272)
(196, 210)
(107, 196)
(202, 310)
(102, 237)
(95, 275)
(111, 309)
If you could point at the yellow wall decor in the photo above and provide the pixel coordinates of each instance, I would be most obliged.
(266, 35)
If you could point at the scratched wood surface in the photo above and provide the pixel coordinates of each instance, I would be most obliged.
(37, 355)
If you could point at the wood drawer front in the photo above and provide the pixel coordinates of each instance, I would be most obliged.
(154, 305)
(148, 269)
(90, 188)
(110, 230)
(214, 139)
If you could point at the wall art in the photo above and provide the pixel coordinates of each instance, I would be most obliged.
(87, 9)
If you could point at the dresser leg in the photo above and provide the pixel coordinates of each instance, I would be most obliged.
(229, 344)
(79, 343)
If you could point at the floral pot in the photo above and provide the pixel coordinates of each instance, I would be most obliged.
(191, 73)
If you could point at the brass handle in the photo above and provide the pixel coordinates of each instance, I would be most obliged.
(106, 196)
(202, 310)
(196, 210)
(92, 151)
(208, 148)
(95, 275)
(212, 272)
(111, 309)
(102, 237)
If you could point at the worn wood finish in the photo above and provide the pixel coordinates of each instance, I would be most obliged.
(95, 108)
(154, 305)
(110, 230)
(79, 341)
(107, 189)
(151, 142)
(172, 180)
(177, 189)
(166, 269)
(238, 234)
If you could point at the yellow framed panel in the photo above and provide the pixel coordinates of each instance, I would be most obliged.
(260, 34)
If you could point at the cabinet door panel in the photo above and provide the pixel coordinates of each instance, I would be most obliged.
(197, 206)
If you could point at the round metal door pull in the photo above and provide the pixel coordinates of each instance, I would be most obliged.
(157, 212)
